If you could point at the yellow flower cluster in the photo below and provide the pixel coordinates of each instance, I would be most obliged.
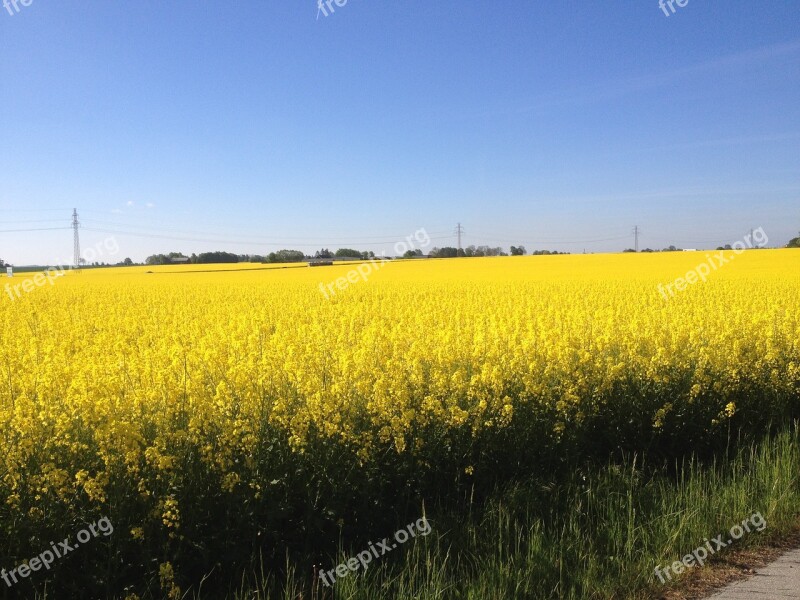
(111, 375)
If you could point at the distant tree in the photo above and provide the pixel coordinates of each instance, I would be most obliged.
(207, 258)
(286, 256)
(485, 251)
(518, 251)
(163, 259)
(346, 253)
(2, 264)
(629, 250)
(412, 253)
(447, 252)
(793, 243)
(127, 262)
(324, 253)
(725, 247)
(365, 255)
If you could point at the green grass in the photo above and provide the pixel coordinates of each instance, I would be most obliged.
(600, 533)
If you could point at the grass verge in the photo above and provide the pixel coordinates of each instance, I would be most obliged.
(598, 533)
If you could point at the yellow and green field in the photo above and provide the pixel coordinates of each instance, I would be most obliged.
(180, 399)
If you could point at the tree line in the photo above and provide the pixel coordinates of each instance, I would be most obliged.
(281, 256)
(293, 256)
(477, 251)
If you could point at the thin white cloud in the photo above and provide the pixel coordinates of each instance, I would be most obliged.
(623, 87)
(685, 192)
(732, 141)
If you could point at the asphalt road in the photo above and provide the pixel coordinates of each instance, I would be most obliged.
(779, 580)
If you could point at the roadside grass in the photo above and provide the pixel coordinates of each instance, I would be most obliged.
(598, 535)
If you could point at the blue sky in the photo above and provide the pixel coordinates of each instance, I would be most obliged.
(254, 126)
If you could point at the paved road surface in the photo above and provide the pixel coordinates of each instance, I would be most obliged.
(779, 580)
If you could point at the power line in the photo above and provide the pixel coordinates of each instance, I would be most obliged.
(166, 233)
(33, 221)
(76, 261)
(550, 241)
(697, 242)
(459, 232)
(29, 210)
(146, 230)
(313, 240)
(240, 242)
(29, 230)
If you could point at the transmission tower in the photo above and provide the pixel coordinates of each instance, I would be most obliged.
(459, 233)
(76, 259)
(636, 232)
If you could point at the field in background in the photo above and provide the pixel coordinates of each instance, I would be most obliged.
(216, 415)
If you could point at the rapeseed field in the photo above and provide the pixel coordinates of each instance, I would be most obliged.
(213, 413)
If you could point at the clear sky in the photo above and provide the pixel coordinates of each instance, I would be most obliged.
(257, 125)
